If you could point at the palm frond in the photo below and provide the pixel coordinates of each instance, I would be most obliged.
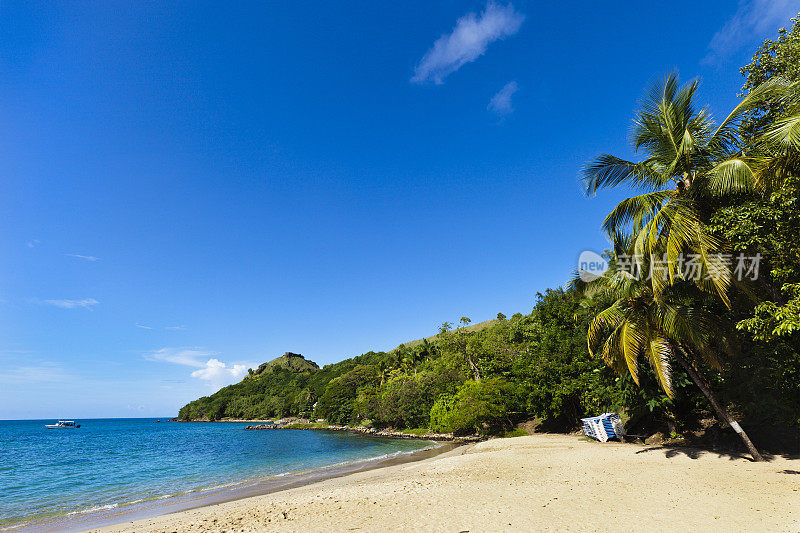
(775, 88)
(632, 340)
(611, 354)
(610, 171)
(734, 175)
(659, 353)
(786, 133)
(637, 210)
(608, 319)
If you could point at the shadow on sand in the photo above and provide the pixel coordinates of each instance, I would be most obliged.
(696, 453)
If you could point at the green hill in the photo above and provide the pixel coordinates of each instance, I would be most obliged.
(289, 385)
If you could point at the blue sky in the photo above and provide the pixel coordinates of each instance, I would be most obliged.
(190, 189)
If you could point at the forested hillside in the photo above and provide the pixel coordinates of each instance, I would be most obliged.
(534, 365)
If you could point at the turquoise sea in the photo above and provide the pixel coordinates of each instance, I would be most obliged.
(111, 463)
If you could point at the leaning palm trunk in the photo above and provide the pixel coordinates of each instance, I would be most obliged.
(722, 413)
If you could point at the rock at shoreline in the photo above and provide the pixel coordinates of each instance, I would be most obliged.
(386, 433)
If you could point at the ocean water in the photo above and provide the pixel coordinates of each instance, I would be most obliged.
(106, 463)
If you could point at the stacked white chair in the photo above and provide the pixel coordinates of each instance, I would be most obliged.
(604, 427)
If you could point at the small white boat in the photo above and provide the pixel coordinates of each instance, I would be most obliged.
(63, 424)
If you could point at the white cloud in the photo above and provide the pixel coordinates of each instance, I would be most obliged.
(500, 103)
(143, 326)
(84, 257)
(467, 42)
(175, 328)
(207, 367)
(33, 243)
(216, 369)
(86, 303)
(753, 20)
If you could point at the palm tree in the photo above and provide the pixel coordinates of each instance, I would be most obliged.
(383, 371)
(661, 330)
(688, 161)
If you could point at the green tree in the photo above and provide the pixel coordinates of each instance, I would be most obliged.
(476, 408)
(338, 402)
(402, 403)
(768, 223)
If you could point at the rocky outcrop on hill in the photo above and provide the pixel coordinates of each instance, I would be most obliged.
(289, 361)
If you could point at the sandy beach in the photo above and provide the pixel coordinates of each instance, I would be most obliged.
(533, 483)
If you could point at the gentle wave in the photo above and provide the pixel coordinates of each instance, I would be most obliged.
(94, 509)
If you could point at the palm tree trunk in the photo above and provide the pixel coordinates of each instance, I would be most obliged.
(722, 413)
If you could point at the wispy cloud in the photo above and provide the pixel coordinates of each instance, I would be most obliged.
(85, 303)
(167, 328)
(753, 20)
(84, 257)
(207, 366)
(33, 243)
(44, 372)
(500, 104)
(468, 41)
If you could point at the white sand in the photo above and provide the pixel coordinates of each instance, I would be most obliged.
(536, 483)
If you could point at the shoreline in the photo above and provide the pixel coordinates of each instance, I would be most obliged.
(304, 424)
(541, 482)
(201, 498)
